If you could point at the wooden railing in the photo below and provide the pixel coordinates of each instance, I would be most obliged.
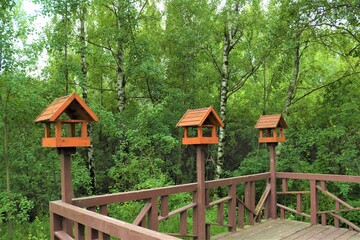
(87, 217)
(79, 215)
(317, 187)
(92, 225)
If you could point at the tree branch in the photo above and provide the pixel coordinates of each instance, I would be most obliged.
(142, 8)
(213, 60)
(246, 76)
(323, 86)
(99, 45)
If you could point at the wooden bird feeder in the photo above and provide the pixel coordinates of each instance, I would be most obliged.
(66, 120)
(271, 128)
(200, 126)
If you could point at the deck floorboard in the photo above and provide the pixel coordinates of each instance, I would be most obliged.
(289, 229)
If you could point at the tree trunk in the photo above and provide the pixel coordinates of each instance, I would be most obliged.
(120, 76)
(292, 86)
(121, 81)
(0, 56)
(84, 82)
(223, 104)
(6, 157)
(66, 73)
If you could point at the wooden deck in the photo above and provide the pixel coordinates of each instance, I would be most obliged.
(288, 230)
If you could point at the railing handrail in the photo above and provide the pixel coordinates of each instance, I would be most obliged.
(319, 177)
(150, 213)
(163, 191)
(114, 227)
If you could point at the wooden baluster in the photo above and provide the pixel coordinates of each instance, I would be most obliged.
(313, 202)
(164, 200)
(299, 203)
(207, 197)
(183, 217)
(249, 201)
(93, 232)
(55, 224)
(323, 215)
(253, 193)
(207, 231)
(284, 187)
(103, 210)
(103, 236)
(232, 208)
(89, 233)
(241, 216)
(282, 214)
(337, 208)
(153, 215)
(220, 213)
(79, 231)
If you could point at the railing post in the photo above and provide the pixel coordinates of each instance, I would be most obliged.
(323, 215)
(79, 230)
(299, 203)
(284, 186)
(55, 224)
(336, 220)
(232, 208)
(273, 201)
(153, 215)
(313, 202)
(200, 163)
(164, 200)
(250, 200)
(241, 216)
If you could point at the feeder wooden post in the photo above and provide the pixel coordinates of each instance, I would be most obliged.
(268, 126)
(73, 107)
(67, 193)
(199, 119)
(200, 164)
(273, 202)
(66, 177)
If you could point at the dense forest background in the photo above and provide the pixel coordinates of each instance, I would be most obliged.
(141, 64)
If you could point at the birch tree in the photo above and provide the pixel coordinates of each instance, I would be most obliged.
(240, 57)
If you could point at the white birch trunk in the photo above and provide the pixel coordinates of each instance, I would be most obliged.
(223, 105)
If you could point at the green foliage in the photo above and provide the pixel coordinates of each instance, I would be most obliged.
(14, 207)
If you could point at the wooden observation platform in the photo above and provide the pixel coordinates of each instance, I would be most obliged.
(259, 211)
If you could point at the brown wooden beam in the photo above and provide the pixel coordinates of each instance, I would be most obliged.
(149, 193)
(319, 177)
(110, 226)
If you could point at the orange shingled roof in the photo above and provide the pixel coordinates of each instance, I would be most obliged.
(72, 105)
(271, 121)
(200, 117)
